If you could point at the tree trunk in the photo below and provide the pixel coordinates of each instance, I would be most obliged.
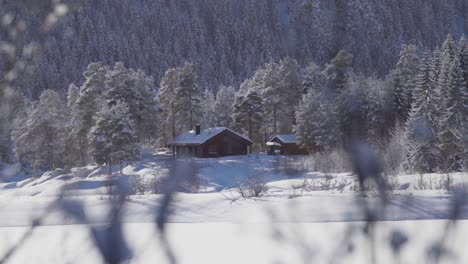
(191, 114)
(250, 126)
(173, 120)
(109, 163)
(274, 119)
(82, 151)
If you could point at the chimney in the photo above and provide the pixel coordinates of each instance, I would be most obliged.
(197, 129)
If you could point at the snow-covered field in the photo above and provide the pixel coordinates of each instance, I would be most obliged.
(288, 224)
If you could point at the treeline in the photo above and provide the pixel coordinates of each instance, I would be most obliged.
(422, 104)
(228, 40)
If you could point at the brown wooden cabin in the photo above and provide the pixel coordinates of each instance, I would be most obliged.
(209, 143)
(285, 145)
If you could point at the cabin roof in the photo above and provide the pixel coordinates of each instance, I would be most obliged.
(286, 138)
(190, 138)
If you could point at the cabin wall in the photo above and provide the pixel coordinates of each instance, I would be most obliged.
(224, 144)
(289, 148)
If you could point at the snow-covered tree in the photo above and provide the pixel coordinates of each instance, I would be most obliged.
(89, 101)
(187, 103)
(248, 115)
(338, 72)
(424, 153)
(313, 79)
(224, 106)
(113, 138)
(136, 90)
(167, 98)
(148, 110)
(208, 102)
(353, 110)
(39, 134)
(454, 118)
(379, 112)
(403, 78)
(73, 154)
(180, 99)
(447, 57)
(279, 85)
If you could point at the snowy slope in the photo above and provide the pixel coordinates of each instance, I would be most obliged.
(286, 225)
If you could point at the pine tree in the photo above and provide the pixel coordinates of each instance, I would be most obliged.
(39, 133)
(187, 99)
(136, 90)
(89, 102)
(224, 106)
(313, 79)
(113, 138)
(20, 135)
(248, 115)
(306, 116)
(147, 112)
(167, 98)
(72, 151)
(378, 113)
(424, 152)
(454, 118)
(404, 81)
(353, 107)
(338, 71)
(464, 64)
(181, 100)
(447, 56)
(208, 102)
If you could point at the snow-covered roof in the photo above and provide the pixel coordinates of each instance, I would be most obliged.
(190, 138)
(273, 144)
(288, 139)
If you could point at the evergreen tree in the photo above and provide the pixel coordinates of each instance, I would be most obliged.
(167, 98)
(187, 99)
(72, 155)
(39, 133)
(424, 152)
(179, 96)
(454, 118)
(313, 79)
(404, 81)
(224, 106)
(147, 112)
(136, 90)
(208, 102)
(89, 102)
(113, 138)
(248, 115)
(338, 71)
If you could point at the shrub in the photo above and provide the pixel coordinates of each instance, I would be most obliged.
(254, 186)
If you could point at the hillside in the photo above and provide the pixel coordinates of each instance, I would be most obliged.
(228, 40)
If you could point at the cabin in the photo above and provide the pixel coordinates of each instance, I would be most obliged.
(285, 145)
(210, 143)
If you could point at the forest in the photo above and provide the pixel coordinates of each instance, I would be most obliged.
(334, 73)
(420, 107)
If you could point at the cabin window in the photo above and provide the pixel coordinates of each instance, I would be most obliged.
(212, 149)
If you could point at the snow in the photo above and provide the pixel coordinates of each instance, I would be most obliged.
(288, 139)
(273, 144)
(190, 137)
(286, 225)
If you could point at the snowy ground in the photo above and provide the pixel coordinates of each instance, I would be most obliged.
(286, 225)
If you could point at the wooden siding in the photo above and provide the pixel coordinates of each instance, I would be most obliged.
(287, 148)
(225, 143)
